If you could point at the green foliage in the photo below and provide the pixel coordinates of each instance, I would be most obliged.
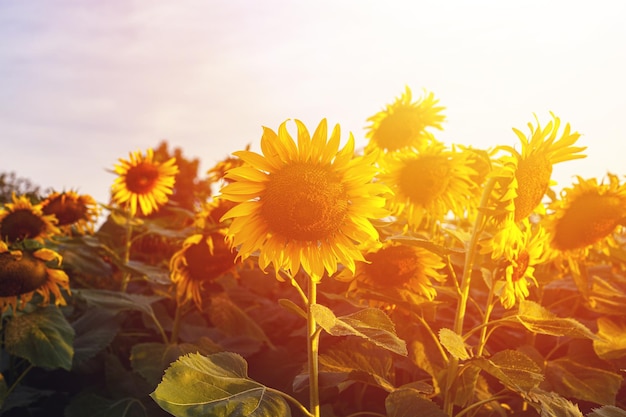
(43, 337)
(216, 385)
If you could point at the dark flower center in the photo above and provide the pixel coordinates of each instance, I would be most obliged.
(424, 179)
(66, 210)
(20, 275)
(305, 202)
(203, 266)
(142, 178)
(393, 265)
(21, 224)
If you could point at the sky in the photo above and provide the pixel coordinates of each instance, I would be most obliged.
(82, 83)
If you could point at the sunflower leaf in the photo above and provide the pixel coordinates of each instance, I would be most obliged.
(538, 319)
(513, 369)
(607, 411)
(370, 323)
(43, 337)
(94, 405)
(217, 384)
(551, 404)
(573, 379)
(612, 343)
(404, 402)
(453, 343)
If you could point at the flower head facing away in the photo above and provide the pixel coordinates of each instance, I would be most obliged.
(587, 213)
(303, 205)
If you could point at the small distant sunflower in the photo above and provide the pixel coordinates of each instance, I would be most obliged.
(304, 205)
(516, 269)
(21, 220)
(200, 261)
(400, 266)
(530, 171)
(587, 214)
(428, 183)
(403, 124)
(24, 273)
(218, 172)
(73, 211)
(143, 181)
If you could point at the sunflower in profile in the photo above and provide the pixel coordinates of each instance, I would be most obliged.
(404, 123)
(587, 215)
(24, 273)
(429, 183)
(21, 220)
(522, 179)
(143, 182)
(397, 267)
(530, 171)
(201, 260)
(515, 270)
(73, 211)
(303, 205)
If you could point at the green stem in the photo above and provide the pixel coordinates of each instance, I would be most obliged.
(483, 332)
(18, 380)
(466, 278)
(127, 244)
(312, 350)
(176, 325)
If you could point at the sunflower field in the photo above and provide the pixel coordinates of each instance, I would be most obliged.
(313, 278)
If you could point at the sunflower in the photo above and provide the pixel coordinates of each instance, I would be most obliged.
(515, 270)
(23, 220)
(201, 260)
(587, 214)
(397, 266)
(143, 181)
(24, 273)
(73, 211)
(403, 124)
(530, 171)
(429, 183)
(304, 205)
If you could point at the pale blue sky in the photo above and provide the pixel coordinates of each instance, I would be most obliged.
(83, 83)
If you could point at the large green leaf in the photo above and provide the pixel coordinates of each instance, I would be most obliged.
(514, 369)
(151, 359)
(580, 380)
(216, 385)
(95, 329)
(370, 323)
(612, 338)
(43, 337)
(405, 402)
(117, 301)
(352, 360)
(538, 319)
(607, 411)
(551, 404)
(454, 343)
(233, 321)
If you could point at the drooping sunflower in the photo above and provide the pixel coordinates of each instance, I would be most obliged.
(304, 205)
(428, 183)
(515, 270)
(397, 266)
(21, 220)
(143, 182)
(522, 179)
(587, 214)
(530, 171)
(403, 123)
(201, 260)
(24, 273)
(73, 211)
